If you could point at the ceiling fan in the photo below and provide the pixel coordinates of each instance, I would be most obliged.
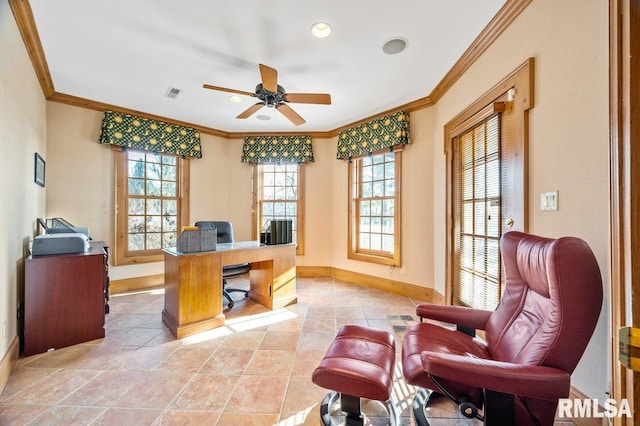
(272, 95)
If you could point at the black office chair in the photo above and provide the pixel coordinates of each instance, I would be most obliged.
(225, 235)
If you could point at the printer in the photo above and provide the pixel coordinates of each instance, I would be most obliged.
(60, 243)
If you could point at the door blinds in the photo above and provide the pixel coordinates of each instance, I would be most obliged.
(478, 216)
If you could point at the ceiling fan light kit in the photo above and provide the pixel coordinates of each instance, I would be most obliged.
(272, 95)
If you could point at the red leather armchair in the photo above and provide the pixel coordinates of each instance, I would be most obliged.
(533, 340)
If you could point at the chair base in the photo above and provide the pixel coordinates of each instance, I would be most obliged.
(502, 412)
(419, 405)
(421, 401)
(350, 406)
(230, 301)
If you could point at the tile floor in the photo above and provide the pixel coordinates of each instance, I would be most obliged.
(256, 370)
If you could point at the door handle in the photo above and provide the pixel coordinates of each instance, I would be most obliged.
(509, 222)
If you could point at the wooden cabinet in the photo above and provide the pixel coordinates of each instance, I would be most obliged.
(65, 299)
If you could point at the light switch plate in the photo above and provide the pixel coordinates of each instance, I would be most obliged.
(549, 200)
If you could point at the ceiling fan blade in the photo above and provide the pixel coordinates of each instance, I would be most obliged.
(288, 112)
(308, 98)
(252, 109)
(224, 89)
(269, 78)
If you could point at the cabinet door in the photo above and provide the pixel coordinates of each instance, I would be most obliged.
(64, 301)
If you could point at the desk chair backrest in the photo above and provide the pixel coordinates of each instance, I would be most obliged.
(225, 229)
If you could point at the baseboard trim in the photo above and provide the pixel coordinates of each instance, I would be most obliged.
(147, 282)
(392, 286)
(313, 271)
(8, 362)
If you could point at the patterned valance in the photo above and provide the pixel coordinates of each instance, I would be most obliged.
(277, 149)
(374, 135)
(134, 132)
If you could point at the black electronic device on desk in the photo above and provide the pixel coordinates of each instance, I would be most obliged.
(277, 231)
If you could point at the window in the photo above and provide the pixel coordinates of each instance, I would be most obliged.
(151, 204)
(374, 208)
(280, 195)
(478, 199)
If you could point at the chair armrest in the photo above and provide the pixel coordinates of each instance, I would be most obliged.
(532, 381)
(458, 315)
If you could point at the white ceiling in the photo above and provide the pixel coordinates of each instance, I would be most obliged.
(129, 52)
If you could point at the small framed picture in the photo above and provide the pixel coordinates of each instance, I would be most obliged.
(38, 175)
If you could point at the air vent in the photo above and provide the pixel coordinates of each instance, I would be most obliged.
(172, 92)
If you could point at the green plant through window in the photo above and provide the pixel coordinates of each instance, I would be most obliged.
(152, 201)
(377, 203)
(374, 225)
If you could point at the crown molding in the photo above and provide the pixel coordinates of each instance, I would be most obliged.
(505, 16)
(26, 24)
(101, 106)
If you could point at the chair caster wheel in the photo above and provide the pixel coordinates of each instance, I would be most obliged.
(468, 409)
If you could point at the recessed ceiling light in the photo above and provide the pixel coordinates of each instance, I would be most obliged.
(395, 45)
(263, 117)
(321, 29)
(235, 98)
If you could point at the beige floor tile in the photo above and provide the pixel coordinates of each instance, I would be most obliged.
(24, 378)
(127, 416)
(206, 392)
(306, 361)
(315, 341)
(105, 389)
(154, 389)
(256, 370)
(302, 395)
(182, 418)
(187, 359)
(20, 414)
(244, 340)
(227, 362)
(280, 340)
(68, 416)
(319, 325)
(271, 362)
(247, 419)
(56, 387)
(258, 394)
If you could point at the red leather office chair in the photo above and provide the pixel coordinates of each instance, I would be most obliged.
(533, 340)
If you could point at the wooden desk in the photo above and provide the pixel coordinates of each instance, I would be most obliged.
(193, 282)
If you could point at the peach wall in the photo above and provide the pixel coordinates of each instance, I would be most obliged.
(81, 175)
(22, 134)
(417, 210)
(221, 185)
(568, 146)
